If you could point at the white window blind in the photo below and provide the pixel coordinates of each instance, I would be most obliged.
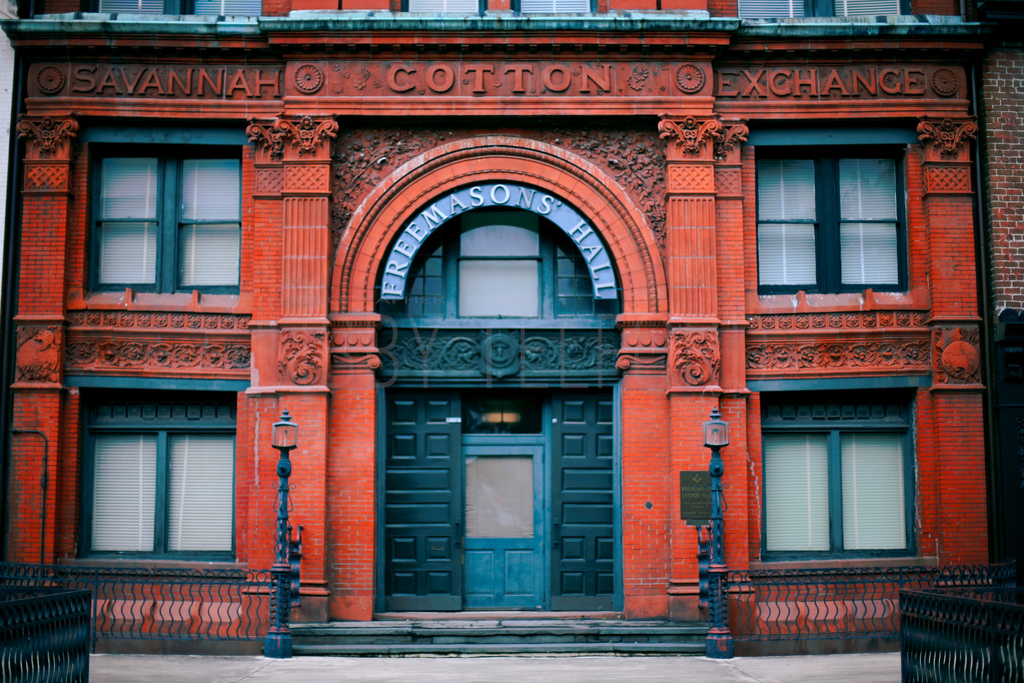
(554, 6)
(796, 492)
(786, 251)
(211, 190)
(133, 6)
(201, 492)
(755, 9)
(873, 504)
(124, 492)
(444, 5)
(128, 228)
(869, 8)
(869, 251)
(230, 8)
(209, 253)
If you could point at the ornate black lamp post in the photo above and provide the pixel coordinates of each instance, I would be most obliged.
(278, 644)
(719, 643)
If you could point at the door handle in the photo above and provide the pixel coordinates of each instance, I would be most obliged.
(556, 536)
(458, 535)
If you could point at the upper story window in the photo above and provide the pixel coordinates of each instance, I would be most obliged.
(165, 224)
(524, 6)
(768, 9)
(239, 8)
(499, 265)
(830, 223)
(837, 478)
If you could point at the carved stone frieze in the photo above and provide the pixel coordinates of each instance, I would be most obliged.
(908, 354)
(47, 177)
(48, 137)
(158, 320)
(957, 354)
(690, 135)
(837, 321)
(301, 358)
(697, 357)
(946, 137)
(548, 355)
(87, 353)
(952, 179)
(38, 355)
(644, 350)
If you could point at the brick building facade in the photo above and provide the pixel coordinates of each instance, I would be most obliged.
(499, 267)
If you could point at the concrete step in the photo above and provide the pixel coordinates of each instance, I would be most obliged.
(499, 636)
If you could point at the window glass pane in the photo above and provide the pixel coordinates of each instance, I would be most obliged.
(867, 189)
(489, 287)
(124, 492)
(127, 253)
(500, 234)
(133, 6)
(128, 188)
(753, 9)
(489, 415)
(528, 6)
(869, 253)
(871, 8)
(785, 189)
(873, 506)
(786, 254)
(574, 290)
(208, 255)
(444, 6)
(499, 497)
(237, 8)
(796, 492)
(211, 190)
(201, 492)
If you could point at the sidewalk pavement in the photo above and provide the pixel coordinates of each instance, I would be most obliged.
(856, 668)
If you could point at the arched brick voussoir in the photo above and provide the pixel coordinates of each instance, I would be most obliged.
(379, 218)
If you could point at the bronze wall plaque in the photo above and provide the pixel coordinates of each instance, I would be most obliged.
(695, 496)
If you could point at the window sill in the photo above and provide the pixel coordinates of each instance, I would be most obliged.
(129, 300)
(141, 563)
(846, 563)
(868, 300)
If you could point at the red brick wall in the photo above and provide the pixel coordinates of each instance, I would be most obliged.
(1002, 83)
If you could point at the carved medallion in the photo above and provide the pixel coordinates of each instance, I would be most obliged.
(957, 356)
(38, 357)
(690, 78)
(499, 355)
(309, 78)
(945, 82)
(50, 80)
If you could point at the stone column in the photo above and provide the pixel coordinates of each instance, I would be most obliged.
(39, 364)
(956, 457)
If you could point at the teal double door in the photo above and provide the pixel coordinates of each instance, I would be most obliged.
(498, 502)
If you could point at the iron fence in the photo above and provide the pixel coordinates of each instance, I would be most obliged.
(44, 635)
(159, 603)
(801, 604)
(962, 635)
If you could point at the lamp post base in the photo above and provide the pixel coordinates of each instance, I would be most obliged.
(719, 646)
(278, 646)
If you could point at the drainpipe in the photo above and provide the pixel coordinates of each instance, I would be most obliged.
(981, 234)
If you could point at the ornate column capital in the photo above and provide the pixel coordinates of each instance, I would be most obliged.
(944, 140)
(727, 142)
(267, 139)
(49, 138)
(690, 138)
(644, 349)
(354, 344)
(308, 136)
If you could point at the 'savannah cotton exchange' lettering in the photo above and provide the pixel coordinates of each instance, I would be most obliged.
(396, 269)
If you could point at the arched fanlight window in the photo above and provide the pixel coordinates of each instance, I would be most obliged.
(500, 265)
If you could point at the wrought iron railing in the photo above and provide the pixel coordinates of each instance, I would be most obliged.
(44, 635)
(159, 603)
(964, 635)
(839, 603)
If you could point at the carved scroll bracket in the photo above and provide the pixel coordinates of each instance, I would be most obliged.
(40, 349)
(696, 358)
(302, 357)
(354, 346)
(48, 138)
(690, 138)
(728, 142)
(644, 348)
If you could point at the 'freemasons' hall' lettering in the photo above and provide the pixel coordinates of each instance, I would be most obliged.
(423, 224)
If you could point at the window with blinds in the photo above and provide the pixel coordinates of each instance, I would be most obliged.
(467, 6)
(554, 6)
(238, 8)
(835, 479)
(778, 9)
(829, 224)
(168, 224)
(159, 488)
